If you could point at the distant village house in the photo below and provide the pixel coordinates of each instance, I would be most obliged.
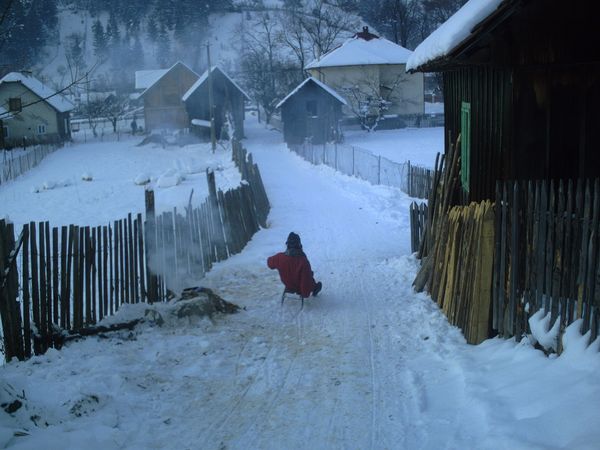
(228, 102)
(311, 112)
(162, 92)
(368, 68)
(31, 112)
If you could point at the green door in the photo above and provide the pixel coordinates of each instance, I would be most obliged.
(465, 146)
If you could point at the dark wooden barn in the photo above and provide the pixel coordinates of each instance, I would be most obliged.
(228, 99)
(311, 111)
(163, 106)
(522, 87)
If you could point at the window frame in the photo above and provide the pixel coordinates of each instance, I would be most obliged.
(465, 145)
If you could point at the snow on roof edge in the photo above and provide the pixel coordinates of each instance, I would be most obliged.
(378, 51)
(452, 32)
(56, 100)
(204, 76)
(320, 84)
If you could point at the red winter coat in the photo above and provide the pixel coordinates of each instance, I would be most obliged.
(295, 273)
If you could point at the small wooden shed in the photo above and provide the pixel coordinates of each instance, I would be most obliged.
(521, 85)
(228, 99)
(163, 89)
(311, 111)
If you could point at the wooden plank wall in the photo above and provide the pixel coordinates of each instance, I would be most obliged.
(71, 277)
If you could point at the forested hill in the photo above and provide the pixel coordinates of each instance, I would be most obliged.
(59, 40)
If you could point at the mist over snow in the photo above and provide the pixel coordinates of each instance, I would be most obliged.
(369, 363)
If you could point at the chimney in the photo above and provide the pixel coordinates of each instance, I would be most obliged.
(365, 34)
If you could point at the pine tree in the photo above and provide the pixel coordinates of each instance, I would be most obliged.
(100, 41)
(164, 46)
(152, 28)
(113, 35)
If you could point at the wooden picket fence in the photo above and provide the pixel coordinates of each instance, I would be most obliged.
(420, 181)
(418, 221)
(60, 281)
(548, 254)
(13, 166)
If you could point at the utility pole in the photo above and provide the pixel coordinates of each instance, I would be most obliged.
(213, 140)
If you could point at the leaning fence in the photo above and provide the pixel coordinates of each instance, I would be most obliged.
(414, 180)
(60, 281)
(14, 163)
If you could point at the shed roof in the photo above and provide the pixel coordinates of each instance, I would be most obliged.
(152, 80)
(320, 84)
(358, 51)
(50, 96)
(204, 77)
(452, 33)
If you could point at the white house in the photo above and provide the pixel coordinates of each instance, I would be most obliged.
(372, 67)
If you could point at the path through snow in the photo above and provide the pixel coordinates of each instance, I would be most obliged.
(368, 364)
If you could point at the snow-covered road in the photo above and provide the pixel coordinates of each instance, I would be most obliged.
(369, 364)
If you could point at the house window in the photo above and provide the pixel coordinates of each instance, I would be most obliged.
(14, 104)
(465, 145)
(41, 129)
(5, 134)
(311, 108)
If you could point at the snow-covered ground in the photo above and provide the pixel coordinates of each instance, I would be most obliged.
(369, 364)
(417, 145)
(56, 191)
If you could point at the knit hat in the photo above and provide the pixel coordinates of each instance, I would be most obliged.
(293, 241)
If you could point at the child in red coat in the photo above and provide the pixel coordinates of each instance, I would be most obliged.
(294, 269)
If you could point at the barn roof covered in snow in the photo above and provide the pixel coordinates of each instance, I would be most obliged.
(323, 86)
(152, 79)
(203, 79)
(361, 50)
(455, 33)
(146, 78)
(57, 101)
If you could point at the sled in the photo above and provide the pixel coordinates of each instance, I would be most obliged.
(292, 295)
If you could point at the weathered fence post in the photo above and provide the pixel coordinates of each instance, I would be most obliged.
(150, 246)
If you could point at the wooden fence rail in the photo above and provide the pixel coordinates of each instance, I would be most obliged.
(56, 281)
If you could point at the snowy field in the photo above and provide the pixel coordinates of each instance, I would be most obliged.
(96, 183)
(369, 364)
(417, 145)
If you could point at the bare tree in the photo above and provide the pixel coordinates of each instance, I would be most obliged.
(293, 35)
(325, 22)
(369, 101)
(267, 75)
(115, 108)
